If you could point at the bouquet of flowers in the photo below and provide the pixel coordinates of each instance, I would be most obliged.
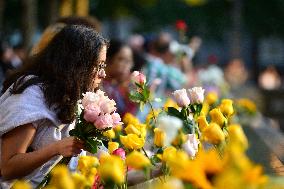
(96, 115)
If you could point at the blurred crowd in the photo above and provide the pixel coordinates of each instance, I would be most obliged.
(167, 62)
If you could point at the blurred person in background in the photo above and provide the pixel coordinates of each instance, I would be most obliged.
(136, 42)
(160, 70)
(269, 78)
(9, 61)
(117, 82)
(236, 73)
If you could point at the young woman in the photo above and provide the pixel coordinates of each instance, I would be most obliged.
(39, 103)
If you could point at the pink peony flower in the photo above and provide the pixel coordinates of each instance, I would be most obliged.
(107, 106)
(104, 121)
(191, 145)
(116, 119)
(196, 95)
(91, 113)
(138, 77)
(89, 98)
(119, 152)
(181, 98)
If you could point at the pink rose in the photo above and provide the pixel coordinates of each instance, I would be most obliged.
(119, 152)
(196, 95)
(181, 98)
(91, 112)
(107, 106)
(138, 77)
(104, 121)
(116, 119)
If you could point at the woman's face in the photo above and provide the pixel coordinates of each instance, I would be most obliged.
(120, 65)
(99, 69)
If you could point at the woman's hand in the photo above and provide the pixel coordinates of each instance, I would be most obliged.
(69, 146)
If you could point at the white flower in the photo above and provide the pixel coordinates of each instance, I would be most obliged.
(191, 145)
(181, 98)
(170, 125)
(196, 95)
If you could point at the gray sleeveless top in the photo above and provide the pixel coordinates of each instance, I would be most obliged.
(30, 107)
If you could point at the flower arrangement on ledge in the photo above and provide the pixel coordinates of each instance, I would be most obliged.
(193, 142)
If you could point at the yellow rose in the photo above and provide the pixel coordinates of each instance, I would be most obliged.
(118, 128)
(112, 168)
(217, 117)
(226, 107)
(79, 181)
(214, 134)
(170, 103)
(129, 118)
(85, 163)
(22, 185)
(132, 141)
(137, 160)
(247, 104)
(159, 137)
(168, 153)
(237, 135)
(211, 98)
(138, 129)
(112, 146)
(205, 109)
(179, 139)
(109, 134)
(60, 178)
(202, 122)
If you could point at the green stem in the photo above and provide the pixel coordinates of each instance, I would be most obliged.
(152, 109)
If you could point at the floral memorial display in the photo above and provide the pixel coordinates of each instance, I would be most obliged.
(194, 140)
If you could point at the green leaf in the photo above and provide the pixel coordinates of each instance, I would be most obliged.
(174, 112)
(136, 97)
(92, 145)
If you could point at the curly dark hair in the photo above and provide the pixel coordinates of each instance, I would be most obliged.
(64, 69)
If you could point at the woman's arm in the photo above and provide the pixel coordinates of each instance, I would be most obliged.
(16, 163)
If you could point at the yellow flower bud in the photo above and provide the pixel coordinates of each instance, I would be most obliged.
(112, 146)
(214, 134)
(211, 98)
(129, 118)
(226, 107)
(217, 117)
(118, 128)
(159, 137)
(132, 141)
(179, 139)
(168, 153)
(22, 185)
(137, 160)
(138, 129)
(205, 109)
(60, 178)
(237, 135)
(109, 133)
(79, 180)
(112, 168)
(202, 122)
